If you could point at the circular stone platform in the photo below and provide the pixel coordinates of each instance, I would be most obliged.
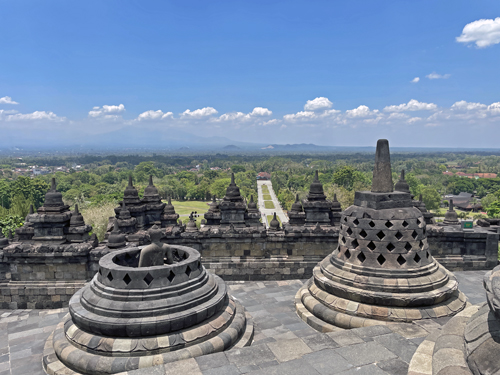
(382, 270)
(131, 317)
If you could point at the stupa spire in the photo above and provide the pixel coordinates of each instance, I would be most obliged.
(382, 176)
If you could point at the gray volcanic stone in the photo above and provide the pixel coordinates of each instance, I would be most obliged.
(146, 307)
(382, 269)
(382, 174)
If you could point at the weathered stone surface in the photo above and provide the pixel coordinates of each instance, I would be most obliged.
(382, 270)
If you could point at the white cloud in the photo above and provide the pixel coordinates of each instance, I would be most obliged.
(7, 100)
(272, 122)
(107, 111)
(199, 113)
(318, 104)
(412, 105)
(494, 108)
(361, 111)
(259, 111)
(435, 75)
(484, 33)
(413, 120)
(415, 80)
(302, 115)
(35, 116)
(462, 105)
(154, 115)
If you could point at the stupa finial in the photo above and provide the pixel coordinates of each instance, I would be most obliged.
(382, 176)
(150, 180)
(53, 184)
(76, 209)
(232, 179)
(316, 177)
(130, 180)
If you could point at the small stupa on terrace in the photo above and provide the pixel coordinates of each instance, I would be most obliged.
(382, 270)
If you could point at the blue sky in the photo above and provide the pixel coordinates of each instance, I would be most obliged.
(247, 69)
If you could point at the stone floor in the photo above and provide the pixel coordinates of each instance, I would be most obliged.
(283, 343)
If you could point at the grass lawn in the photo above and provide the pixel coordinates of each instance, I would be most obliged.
(270, 217)
(268, 204)
(186, 207)
(267, 197)
(265, 189)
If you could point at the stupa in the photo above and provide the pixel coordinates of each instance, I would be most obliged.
(451, 217)
(382, 270)
(336, 211)
(145, 308)
(169, 217)
(232, 207)
(316, 206)
(212, 216)
(296, 215)
(154, 205)
(252, 216)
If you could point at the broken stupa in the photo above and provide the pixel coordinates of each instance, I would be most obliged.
(146, 307)
(382, 270)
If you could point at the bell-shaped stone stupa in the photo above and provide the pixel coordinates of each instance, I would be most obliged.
(382, 270)
(145, 308)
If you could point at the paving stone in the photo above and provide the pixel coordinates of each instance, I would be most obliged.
(398, 345)
(320, 341)
(394, 366)
(209, 361)
(372, 331)
(345, 338)
(184, 367)
(224, 370)
(408, 330)
(365, 353)
(365, 370)
(288, 350)
(294, 367)
(251, 355)
(326, 361)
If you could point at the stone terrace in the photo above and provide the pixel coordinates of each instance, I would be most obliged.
(283, 343)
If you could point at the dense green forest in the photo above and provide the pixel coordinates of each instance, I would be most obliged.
(96, 181)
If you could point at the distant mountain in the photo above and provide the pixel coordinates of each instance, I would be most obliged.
(231, 148)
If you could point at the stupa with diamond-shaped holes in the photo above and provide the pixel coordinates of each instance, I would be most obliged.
(382, 270)
(146, 307)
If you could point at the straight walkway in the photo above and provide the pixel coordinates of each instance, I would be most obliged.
(267, 211)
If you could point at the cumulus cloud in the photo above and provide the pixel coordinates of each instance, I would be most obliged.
(302, 115)
(259, 111)
(154, 115)
(483, 32)
(35, 116)
(435, 75)
(361, 111)
(108, 111)
(199, 113)
(7, 100)
(466, 106)
(412, 105)
(415, 80)
(319, 103)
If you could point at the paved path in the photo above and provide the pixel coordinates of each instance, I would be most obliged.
(283, 344)
(266, 211)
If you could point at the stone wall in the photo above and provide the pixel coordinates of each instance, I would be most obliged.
(48, 280)
(459, 250)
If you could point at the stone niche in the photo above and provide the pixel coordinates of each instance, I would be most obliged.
(132, 316)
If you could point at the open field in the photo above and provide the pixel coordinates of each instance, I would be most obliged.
(267, 197)
(186, 207)
(268, 204)
(265, 189)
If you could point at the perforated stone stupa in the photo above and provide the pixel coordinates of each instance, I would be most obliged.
(382, 270)
(144, 308)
